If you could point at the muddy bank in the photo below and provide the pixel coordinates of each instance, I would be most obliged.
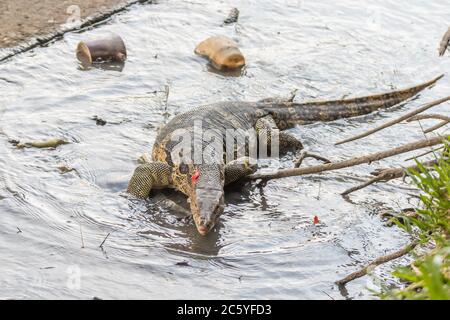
(24, 19)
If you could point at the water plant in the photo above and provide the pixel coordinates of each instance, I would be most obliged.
(428, 276)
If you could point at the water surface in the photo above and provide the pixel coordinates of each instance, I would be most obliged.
(265, 245)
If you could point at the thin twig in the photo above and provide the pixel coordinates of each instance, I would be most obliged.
(395, 121)
(442, 117)
(305, 154)
(387, 175)
(394, 173)
(81, 236)
(437, 126)
(350, 162)
(428, 116)
(328, 295)
(103, 242)
(424, 153)
(362, 185)
(380, 260)
(410, 213)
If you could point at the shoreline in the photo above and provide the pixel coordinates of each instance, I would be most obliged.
(51, 19)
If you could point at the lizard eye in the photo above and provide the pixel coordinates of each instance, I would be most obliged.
(183, 168)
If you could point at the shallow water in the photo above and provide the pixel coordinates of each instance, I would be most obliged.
(265, 246)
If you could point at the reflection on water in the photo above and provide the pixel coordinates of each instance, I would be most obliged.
(226, 72)
(106, 66)
(265, 245)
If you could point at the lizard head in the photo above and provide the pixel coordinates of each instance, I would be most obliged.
(207, 198)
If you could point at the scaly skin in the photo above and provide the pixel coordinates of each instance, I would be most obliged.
(203, 181)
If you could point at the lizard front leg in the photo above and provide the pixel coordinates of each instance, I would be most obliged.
(287, 142)
(149, 176)
(278, 100)
(239, 168)
(266, 127)
(170, 205)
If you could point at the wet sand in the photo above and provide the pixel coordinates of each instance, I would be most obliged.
(23, 19)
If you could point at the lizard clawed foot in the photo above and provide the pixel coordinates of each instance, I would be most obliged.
(291, 98)
(305, 154)
(170, 205)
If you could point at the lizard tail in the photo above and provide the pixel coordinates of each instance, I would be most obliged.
(287, 114)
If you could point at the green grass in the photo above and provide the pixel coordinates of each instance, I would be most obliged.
(428, 276)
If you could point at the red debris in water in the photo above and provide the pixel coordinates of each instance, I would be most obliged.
(316, 220)
(195, 176)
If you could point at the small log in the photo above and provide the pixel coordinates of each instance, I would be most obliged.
(110, 48)
(222, 52)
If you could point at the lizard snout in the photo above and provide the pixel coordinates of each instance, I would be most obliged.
(202, 230)
(210, 206)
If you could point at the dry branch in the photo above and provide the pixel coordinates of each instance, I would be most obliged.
(395, 121)
(424, 153)
(387, 175)
(365, 184)
(305, 154)
(428, 116)
(436, 126)
(350, 162)
(380, 260)
(445, 120)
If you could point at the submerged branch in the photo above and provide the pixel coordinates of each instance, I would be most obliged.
(378, 261)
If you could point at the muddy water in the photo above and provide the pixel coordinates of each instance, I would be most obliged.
(265, 246)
